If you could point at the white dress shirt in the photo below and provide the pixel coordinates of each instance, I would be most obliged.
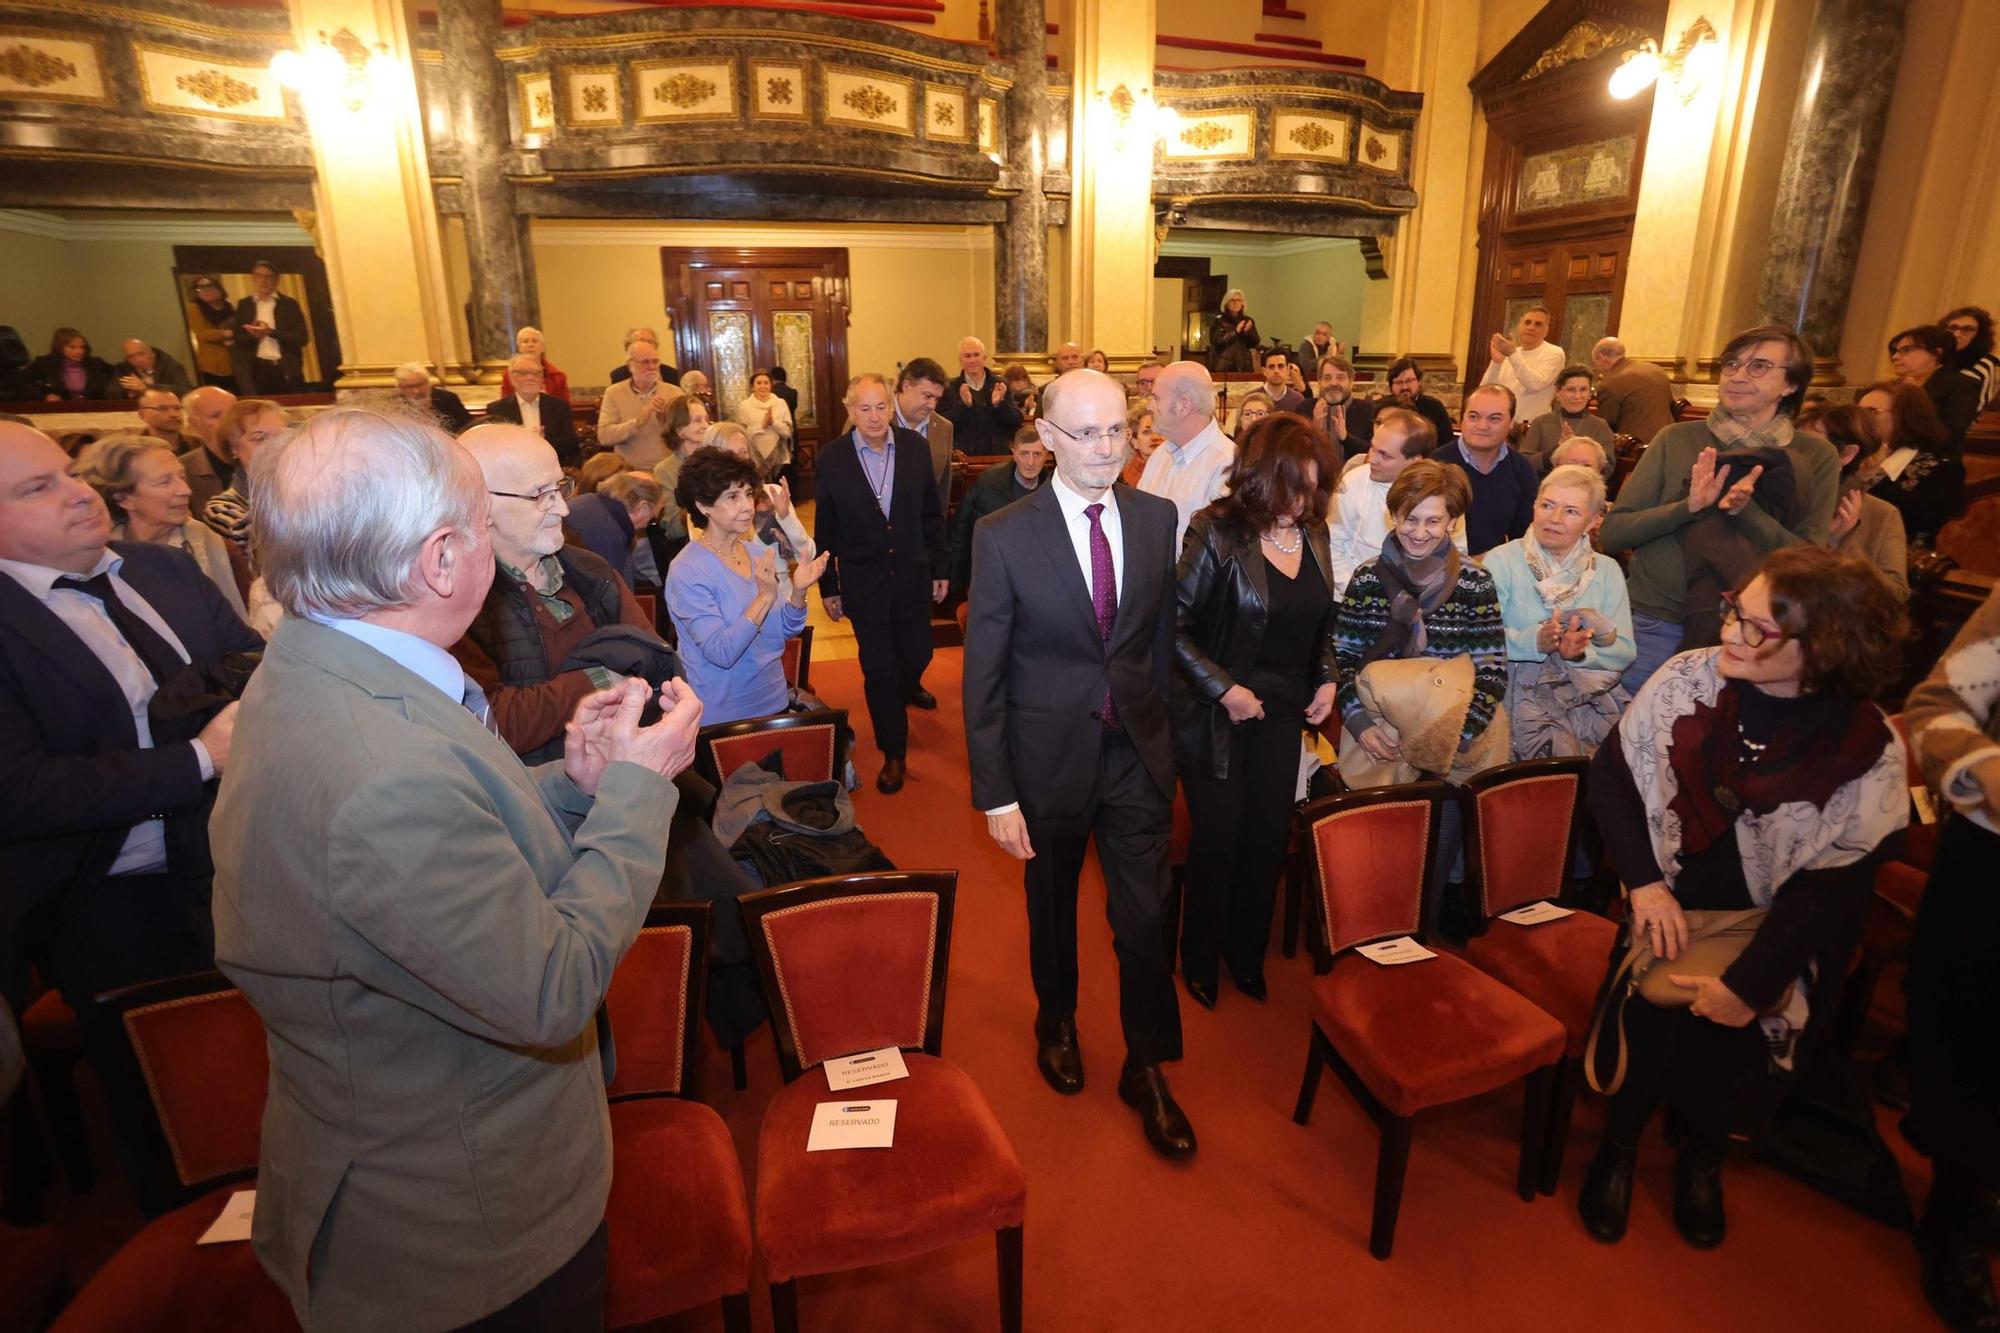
(1531, 374)
(267, 313)
(1192, 475)
(145, 849)
(1077, 522)
(531, 412)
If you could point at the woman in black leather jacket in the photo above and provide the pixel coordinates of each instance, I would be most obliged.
(1255, 658)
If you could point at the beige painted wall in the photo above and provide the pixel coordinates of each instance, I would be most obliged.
(1288, 284)
(915, 290)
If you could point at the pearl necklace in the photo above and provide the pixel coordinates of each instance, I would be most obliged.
(1298, 537)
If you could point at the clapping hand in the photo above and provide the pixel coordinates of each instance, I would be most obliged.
(965, 393)
(1575, 640)
(1742, 493)
(1498, 347)
(605, 730)
(999, 392)
(1846, 514)
(805, 573)
(764, 570)
(1704, 482)
(781, 496)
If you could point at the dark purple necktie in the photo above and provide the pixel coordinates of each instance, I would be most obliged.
(1103, 597)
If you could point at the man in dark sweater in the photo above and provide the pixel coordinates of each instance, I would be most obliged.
(996, 488)
(983, 418)
(1503, 482)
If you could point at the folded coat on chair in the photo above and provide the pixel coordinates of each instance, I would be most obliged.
(1422, 703)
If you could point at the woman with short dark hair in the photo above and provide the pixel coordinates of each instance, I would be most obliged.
(1758, 775)
(70, 372)
(1971, 330)
(722, 589)
(1255, 653)
(1923, 475)
(1922, 355)
(1864, 525)
(1569, 417)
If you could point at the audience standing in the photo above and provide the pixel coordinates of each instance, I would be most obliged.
(1764, 372)
(994, 490)
(1527, 364)
(1360, 519)
(763, 410)
(1503, 481)
(1278, 370)
(875, 482)
(211, 320)
(413, 385)
(1570, 418)
(1634, 397)
(1232, 336)
(1191, 466)
(641, 334)
(528, 341)
(919, 387)
(268, 353)
(1344, 419)
(542, 412)
(147, 367)
(145, 487)
(631, 417)
(977, 402)
(1254, 648)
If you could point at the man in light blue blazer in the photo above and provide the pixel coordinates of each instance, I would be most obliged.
(426, 926)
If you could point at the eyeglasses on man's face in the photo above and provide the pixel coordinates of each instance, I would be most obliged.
(1754, 367)
(1090, 435)
(545, 495)
(1755, 633)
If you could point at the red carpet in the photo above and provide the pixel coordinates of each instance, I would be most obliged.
(1267, 1226)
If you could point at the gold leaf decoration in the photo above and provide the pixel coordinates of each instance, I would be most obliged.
(545, 105)
(1312, 136)
(870, 101)
(1206, 134)
(1581, 42)
(595, 98)
(684, 90)
(216, 88)
(944, 113)
(33, 66)
(778, 91)
(1374, 149)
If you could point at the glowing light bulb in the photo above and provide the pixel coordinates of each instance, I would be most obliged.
(288, 67)
(1638, 73)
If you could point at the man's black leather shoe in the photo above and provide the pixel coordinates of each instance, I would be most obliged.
(1060, 1058)
(923, 699)
(890, 780)
(1252, 984)
(1202, 991)
(1144, 1089)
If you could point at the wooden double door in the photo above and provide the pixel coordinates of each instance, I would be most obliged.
(1580, 279)
(738, 311)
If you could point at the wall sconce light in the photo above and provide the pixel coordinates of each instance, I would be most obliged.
(337, 66)
(1689, 66)
(1130, 117)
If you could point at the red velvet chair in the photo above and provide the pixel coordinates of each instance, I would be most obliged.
(814, 745)
(799, 659)
(679, 1220)
(855, 963)
(1521, 825)
(193, 1060)
(1409, 1037)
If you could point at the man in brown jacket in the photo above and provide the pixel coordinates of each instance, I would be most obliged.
(1635, 397)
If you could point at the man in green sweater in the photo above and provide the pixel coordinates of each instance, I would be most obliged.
(1763, 376)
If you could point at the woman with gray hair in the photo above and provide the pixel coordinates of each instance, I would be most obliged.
(608, 519)
(1568, 621)
(1232, 337)
(777, 523)
(146, 488)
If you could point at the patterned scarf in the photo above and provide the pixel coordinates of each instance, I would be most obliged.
(1559, 581)
(1773, 434)
(1411, 587)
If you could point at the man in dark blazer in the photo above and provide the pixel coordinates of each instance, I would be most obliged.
(271, 335)
(983, 417)
(104, 870)
(544, 413)
(879, 516)
(1068, 648)
(413, 384)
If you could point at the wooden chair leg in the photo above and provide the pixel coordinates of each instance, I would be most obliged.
(1315, 1065)
(1569, 1077)
(1534, 1128)
(1391, 1160)
(739, 1069)
(736, 1313)
(1008, 1240)
(785, 1307)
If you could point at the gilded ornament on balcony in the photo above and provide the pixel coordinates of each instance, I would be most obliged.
(216, 88)
(1374, 149)
(595, 98)
(870, 101)
(1206, 134)
(684, 90)
(1122, 104)
(944, 113)
(545, 106)
(33, 66)
(1312, 136)
(1581, 42)
(778, 91)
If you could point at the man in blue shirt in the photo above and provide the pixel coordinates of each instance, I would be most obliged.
(1503, 482)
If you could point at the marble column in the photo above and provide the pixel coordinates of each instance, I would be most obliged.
(1830, 156)
(1111, 239)
(1021, 258)
(503, 291)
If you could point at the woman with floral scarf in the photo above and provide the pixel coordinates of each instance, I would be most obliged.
(1569, 625)
(1753, 775)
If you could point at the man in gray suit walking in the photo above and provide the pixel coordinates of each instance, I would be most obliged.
(426, 926)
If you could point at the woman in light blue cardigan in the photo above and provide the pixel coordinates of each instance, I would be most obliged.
(732, 609)
(1568, 622)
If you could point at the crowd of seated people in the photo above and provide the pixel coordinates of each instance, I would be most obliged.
(1714, 636)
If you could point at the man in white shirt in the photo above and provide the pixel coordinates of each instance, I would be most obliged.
(1192, 466)
(1528, 364)
(632, 415)
(269, 349)
(1360, 519)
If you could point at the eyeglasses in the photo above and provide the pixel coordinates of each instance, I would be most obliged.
(1089, 437)
(1904, 349)
(545, 496)
(1754, 634)
(1756, 369)
(1961, 328)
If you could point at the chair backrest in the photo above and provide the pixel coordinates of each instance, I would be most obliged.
(1521, 824)
(655, 1004)
(853, 962)
(1371, 853)
(814, 745)
(192, 1057)
(799, 659)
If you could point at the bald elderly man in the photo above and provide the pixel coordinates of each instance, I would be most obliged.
(557, 624)
(983, 418)
(211, 467)
(1067, 357)
(147, 367)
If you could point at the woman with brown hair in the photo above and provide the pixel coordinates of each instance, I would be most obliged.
(1923, 476)
(1255, 656)
(211, 321)
(1755, 776)
(1864, 525)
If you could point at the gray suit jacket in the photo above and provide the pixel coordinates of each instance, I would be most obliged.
(427, 929)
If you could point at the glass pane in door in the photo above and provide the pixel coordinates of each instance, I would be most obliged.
(1584, 318)
(792, 334)
(729, 350)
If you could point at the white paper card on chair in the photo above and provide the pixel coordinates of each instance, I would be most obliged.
(234, 1224)
(852, 1125)
(1536, 913)
(1391, 952)
(858, 1071)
